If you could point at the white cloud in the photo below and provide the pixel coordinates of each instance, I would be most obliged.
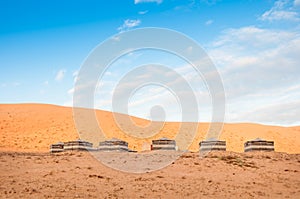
(253, 37)
(281, 11)
(148, 1)
(151, 96)
(209, 22)
(46, 82)
(280, 15)
(15, 84)
(210, 2)
(297, 3)
(128, 24)
(116, 38)
(68, 103)
(71, 91)
(60, 75)
(42, 91)
(75, 75)
(271, 114)
(143, 12)
(260, 68)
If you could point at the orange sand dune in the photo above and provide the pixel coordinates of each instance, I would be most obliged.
(33, 127)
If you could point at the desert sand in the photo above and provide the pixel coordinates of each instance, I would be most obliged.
(219, 175)
(33, 127)
(28, 170)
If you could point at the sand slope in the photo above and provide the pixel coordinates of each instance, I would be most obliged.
(33, 127)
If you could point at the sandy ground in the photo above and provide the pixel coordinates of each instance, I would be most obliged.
(219, 175)
(28, 170)
(33, 127)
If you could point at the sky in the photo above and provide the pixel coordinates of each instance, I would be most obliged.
(253, 44)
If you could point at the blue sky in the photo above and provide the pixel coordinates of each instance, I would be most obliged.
(254, 44)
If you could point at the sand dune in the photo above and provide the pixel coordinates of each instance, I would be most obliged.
(28, 170)
(33, 127)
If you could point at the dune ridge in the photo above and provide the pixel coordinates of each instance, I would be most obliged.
(33, 127)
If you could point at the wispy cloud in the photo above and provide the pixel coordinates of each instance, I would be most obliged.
(210, 2)
(148, 1)
(297, 3)
(15, 84)
(75, 75)
(283, 112)
(68, 103)
(128, 24)
(282, 10)
(209, 22)
(11, 84)
(46, 82)
(71, 91)
(143, 12)
(260, 68)
(60, 75)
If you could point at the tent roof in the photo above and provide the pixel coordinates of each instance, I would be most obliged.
(258, 139)
(114, 139)
(212, 139)
(164, 138)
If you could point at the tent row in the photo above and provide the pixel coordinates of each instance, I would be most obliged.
(257, 144)
(113, 144)
(160, 144)
(81, 145)
(71, 145)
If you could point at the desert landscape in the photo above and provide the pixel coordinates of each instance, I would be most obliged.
(150, 99)
(220, 175)
(28, 170)
(34, 127)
